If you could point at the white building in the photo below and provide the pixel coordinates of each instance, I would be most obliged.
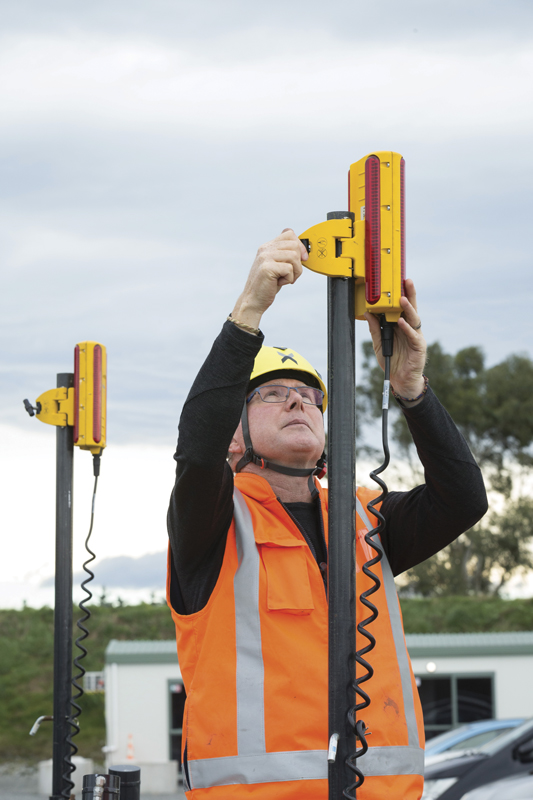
(144, 710)
(461, 677)
(467, 676)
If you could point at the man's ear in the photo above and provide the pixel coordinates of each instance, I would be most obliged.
(235, 447)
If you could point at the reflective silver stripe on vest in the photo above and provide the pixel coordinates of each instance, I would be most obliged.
(299, 765)
(250, 669)
(396, 760)
(402, 655)
(253, 764)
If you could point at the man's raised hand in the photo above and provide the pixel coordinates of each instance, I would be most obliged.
(409, 358)
(276, 264)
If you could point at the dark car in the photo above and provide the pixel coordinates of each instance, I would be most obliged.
(518, 787)
(507, 755)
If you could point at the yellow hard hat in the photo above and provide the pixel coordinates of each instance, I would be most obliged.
(281, 362)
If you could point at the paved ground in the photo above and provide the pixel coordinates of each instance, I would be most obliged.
(21, 783)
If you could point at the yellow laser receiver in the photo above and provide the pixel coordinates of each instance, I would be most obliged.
(90, 395)
(84, 405)
(368, 241)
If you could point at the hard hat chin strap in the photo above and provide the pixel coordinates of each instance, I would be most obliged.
(250, 457)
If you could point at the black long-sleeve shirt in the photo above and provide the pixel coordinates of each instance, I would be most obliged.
(420, 522)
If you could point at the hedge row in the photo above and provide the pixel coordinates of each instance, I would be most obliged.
(26, 658)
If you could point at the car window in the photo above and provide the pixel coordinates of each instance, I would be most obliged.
(508, 738)
(478, 739)
(443, 738)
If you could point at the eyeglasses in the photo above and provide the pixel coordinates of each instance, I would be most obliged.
(275, 393)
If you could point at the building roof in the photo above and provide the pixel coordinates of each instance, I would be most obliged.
(141, 652)
(420, 645)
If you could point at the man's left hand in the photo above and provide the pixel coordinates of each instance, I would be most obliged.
(409, 357)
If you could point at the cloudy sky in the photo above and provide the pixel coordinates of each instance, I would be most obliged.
(148, 148)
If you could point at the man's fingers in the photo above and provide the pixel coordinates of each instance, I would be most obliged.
(281, 271)
(292, 244)
(287, 272)
(411, 331)
(287, 245)
(288, 256)
(375, 330)
(288, 236)
(410, 314)
(410, 292)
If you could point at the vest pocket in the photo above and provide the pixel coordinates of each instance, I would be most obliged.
(287, 579)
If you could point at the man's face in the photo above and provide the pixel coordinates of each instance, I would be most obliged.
(291, 433)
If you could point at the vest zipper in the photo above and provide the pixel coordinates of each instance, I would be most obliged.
(185, 769)
(323, 565)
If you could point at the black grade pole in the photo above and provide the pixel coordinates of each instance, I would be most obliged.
(63, 605)
(341, 555)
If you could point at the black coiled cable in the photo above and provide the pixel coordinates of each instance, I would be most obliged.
(362, 698)
(73, 719)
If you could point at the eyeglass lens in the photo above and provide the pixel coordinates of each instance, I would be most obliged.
(279, 394)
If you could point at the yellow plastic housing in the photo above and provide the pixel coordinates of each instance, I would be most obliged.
(90, 396)
(390, 245)
(56, 407)
(325, 255)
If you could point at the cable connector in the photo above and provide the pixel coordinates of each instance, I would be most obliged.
(387, 336)
(96, 464)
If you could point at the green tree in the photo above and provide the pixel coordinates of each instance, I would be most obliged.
(493, 408)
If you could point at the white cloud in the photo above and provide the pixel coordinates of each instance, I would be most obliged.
(235, 89)
(130, 517)
(31, 244)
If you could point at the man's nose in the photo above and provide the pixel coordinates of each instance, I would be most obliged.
(295, 398)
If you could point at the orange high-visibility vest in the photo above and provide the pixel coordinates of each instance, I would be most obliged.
(254, 663)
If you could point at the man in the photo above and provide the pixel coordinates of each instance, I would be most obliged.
(248, 562)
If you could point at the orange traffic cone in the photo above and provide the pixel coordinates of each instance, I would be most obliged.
(130, 751)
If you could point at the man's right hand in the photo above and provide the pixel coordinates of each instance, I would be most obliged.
(276, 264)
